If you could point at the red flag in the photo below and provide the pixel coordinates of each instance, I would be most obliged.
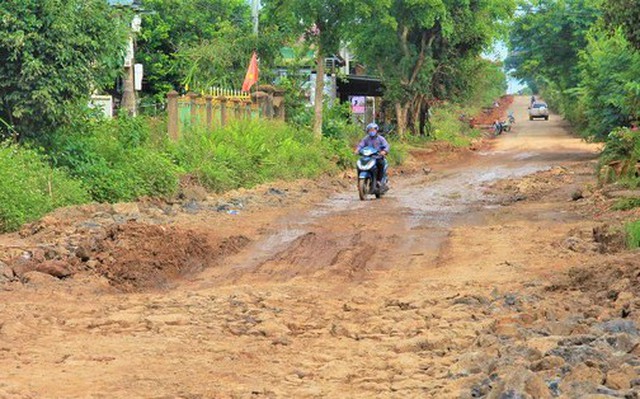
(252, 73)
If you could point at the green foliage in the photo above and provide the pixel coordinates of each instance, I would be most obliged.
(609, 90)
(624, 14)
(483, 81)
(54, 53)
(446, 126)
(581, 54)
(625, 204)
(114, 158)
(633, 234)
(424, 50)
(547, 37)
(623, 145)
(200, 44)
(248, 153)
(29, 187)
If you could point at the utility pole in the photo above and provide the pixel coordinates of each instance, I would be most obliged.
(129, 101)
(255, 14)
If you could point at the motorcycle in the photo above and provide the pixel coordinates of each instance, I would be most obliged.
(367, 167)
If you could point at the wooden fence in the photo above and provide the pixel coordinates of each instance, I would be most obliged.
(218, 109)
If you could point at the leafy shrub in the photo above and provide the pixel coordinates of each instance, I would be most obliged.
(447, 127)
(247, 153)
(633, 234)
(29, 187)
(115, 159)
(623, 145)
(626, 204)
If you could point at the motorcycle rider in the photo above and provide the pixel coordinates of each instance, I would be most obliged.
(373, 139)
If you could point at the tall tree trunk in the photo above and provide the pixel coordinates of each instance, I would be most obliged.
(319, 94)
(414, 114)
(424, 117)
(401, 116)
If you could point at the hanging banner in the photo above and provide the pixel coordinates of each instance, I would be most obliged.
(358, 104)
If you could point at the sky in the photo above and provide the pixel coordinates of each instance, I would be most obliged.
(498, 53)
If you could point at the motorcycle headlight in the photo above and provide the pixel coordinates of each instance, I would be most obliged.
(366, 164)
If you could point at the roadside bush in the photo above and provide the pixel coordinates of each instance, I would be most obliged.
(30, 187)
(626, 204)
(114, 158)
(447, 127)
(247, 153)
(633, 234)
(623, 147)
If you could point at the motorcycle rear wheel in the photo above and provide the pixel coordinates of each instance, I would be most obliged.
(363, 188)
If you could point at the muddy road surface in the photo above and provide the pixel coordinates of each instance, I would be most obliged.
(482, 278)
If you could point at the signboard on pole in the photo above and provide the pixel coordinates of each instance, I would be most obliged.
(358, 104)
(138, 73)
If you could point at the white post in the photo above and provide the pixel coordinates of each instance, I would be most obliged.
(255, 14)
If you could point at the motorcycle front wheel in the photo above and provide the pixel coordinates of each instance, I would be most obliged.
(363, 188)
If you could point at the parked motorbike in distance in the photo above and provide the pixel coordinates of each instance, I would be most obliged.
(367, 167)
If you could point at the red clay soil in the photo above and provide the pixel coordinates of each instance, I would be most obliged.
(488, 116)
(134, 256)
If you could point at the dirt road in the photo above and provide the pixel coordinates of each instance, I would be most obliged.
(452, 286)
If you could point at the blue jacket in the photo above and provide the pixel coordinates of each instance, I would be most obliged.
(378, 142)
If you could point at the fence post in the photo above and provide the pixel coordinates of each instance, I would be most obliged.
(237, 111)
(223, 110)
(247, 109)
(278, 104)
(193, 107)
(209, 100)
(172, 111)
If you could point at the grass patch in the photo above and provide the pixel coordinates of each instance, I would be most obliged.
(633, 234)
(625, 204)
(30, 187)
(115, 159)
(247, 153)
(446, 126)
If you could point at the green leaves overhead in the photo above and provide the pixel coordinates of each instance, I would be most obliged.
(172, 30)
(54, 53)
(418, 46)
(581, 54)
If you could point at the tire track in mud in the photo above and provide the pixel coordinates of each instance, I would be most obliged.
(348, 237)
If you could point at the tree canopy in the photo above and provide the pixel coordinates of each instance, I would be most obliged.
(54, 54)
(583, 56)
(419, 47)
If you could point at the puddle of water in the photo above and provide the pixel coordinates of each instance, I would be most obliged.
(444, 200)
(525, 155)
(433, 206)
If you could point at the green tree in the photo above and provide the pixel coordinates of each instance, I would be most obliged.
(624, 14)
(417, 47)
(609, 88)
(174, 31)
(222, 61)
(54, 54)
(324, 24)
(545, 43)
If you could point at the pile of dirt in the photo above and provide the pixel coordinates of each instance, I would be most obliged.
(132, 256)
(576, 338)
(605, 279)
(490, 115)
